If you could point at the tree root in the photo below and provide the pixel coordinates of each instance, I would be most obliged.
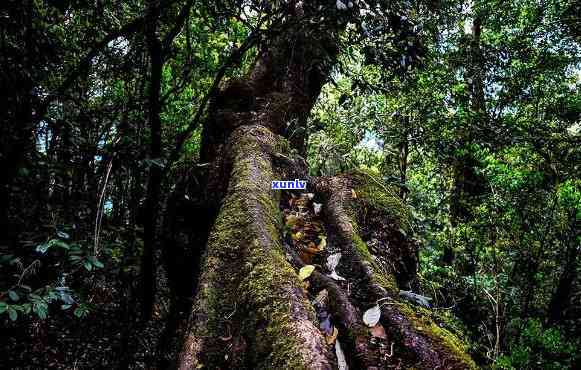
(252, 310)
(419, 342)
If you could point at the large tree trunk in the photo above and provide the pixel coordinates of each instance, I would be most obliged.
(152, 200)
(251, 309)
(16, 128)
(467, 184)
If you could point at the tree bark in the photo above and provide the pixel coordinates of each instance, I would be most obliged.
(251, 309)
(158, 50)
(154, 181)
(16, 131)
(467, 183)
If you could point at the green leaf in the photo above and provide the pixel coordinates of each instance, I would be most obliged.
(63, 235)
(52, 295)
(60, 244)
(3, 307)
(6, 258)
(42, 248)
(75, 249)
(66, 306)
(26, 308)
(98, 264)
(41, 310)
(88, 265)
(81, 311)
(12, 313)
(13, 295)
(23, 172)
(306, 271)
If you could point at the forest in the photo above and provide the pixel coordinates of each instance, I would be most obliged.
(290, 184)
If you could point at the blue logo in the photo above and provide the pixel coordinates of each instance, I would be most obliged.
(284, 185)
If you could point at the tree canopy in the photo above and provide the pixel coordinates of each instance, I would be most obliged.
(441, 146)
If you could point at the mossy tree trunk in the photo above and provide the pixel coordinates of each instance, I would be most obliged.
(467, 184)
(251, 310)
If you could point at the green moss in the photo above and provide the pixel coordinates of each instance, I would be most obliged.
(370, 187)
(265, 287)
(361, 247)
(385, 279)
(223, 246)
(372, 192)
(233, 231)
(421, 320)
(246, 270)
(282, 146)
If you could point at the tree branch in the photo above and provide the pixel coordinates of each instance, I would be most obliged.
(179, 24)
(84, 64)
(233, 59)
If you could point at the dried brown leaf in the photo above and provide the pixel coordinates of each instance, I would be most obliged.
(330, 339)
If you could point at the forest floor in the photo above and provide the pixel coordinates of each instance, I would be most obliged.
(63, 341)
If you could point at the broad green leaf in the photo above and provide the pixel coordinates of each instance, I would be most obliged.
(41, 310)
(12, 313)
(42, 248)
(81, 311)
(63, 235)
(98, 264)
(26, 308)
(60, 244)
(88, 265)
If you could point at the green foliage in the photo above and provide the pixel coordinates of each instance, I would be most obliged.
(36, 302)
(537, 347)
(569, 196)
(69, 259)
(521, 145)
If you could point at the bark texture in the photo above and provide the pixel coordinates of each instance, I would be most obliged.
(377, 273)
(251, 310)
